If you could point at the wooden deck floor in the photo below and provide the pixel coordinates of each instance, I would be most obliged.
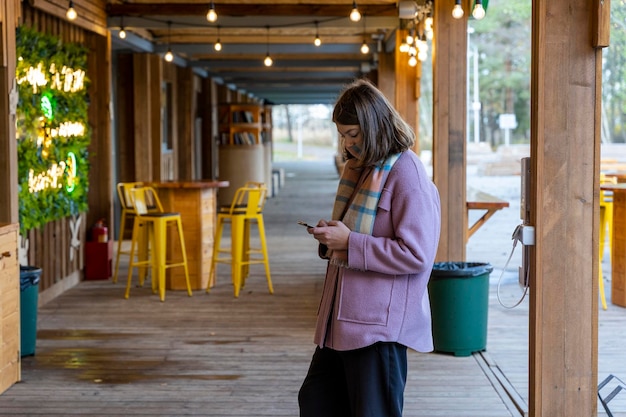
(213, 355)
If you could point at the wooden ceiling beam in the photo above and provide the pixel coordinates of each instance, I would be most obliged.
(238, 10)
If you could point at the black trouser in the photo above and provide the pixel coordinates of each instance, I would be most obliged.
(366, 382)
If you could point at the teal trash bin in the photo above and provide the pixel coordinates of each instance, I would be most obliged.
(29, 297)
(459, 301)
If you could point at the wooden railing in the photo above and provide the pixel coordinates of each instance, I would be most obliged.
(57, 248)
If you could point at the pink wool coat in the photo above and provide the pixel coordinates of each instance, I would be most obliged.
(383, 296)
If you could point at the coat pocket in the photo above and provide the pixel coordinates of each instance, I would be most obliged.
(365, 297)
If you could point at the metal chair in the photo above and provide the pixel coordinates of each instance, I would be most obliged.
(608, 389)
(156, 223)
(246, 208)
(606, 228)
(128, 209)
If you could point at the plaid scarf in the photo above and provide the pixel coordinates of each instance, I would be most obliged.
(361, 207)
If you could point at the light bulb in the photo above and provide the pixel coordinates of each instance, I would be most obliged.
(457, 11)
(478, 12)
(268, 61)
(355, 15)
(422, 55)
(404, 47)
(317, 41)
(412, 61)
(211, 16)
(71, 12)
(218, 46)
(364, 48)
(122, 33)
(428, 23)
(409, 39)
(169, 56)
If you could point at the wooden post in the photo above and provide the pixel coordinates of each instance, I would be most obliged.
(405, 88)
(186, 114)
(101, 161)
(9, 12)
(449, 116)
(565, 155)
(208, 112)
(398, 81)
(142, 120)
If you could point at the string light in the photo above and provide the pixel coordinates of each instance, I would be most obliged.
(218, 44)
(317, 41)
(457, 11)
(364, 48)
(211, 15)
(479, 11)
(169, 56)
(422, 50)
(122, 33)
(71, 12)
(355, 15)
(268, 59)
(410, 37)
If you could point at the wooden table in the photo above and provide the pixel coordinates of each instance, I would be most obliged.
(620, 175)
(618, 243)
(196, 201)
(480, 200)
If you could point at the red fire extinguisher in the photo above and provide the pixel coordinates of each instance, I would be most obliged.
(99, 232)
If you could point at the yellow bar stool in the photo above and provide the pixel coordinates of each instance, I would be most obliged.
(128, 209)
(606, 229)
(154, 226)
(245, 209)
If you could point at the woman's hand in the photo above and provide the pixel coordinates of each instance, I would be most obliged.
(334, 234)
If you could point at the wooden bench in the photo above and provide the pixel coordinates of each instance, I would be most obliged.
(480, 200)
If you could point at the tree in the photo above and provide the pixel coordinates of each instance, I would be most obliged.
(614, 77)
(503, 39)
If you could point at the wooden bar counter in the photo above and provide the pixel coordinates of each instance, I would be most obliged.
(196, 201)
(10, 365)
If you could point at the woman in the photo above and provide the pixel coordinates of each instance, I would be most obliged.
(381, 244)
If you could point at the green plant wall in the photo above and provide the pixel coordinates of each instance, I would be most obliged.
(53, 134)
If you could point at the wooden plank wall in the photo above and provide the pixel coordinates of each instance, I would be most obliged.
(91, 13)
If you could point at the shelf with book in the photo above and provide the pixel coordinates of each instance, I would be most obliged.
(240, 124)
(241, 155)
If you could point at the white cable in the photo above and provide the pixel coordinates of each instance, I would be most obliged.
(515, 240)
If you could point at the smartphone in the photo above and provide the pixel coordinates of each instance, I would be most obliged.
(301, 223)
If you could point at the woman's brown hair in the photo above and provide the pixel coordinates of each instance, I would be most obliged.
(384, 131)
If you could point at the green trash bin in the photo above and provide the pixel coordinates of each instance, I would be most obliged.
(29, 297)
(459, 302)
